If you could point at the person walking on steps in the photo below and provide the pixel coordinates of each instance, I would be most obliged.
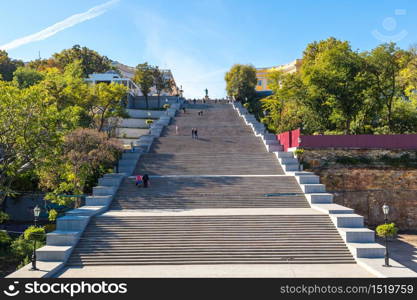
(195, 133)
(145, 179)
(138, 180)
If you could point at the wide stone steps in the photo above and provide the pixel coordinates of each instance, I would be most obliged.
(205, 131)
(208, 164)
(210, 144)
(138, 240)
(201, 204)
(227, 146)
(211, 192)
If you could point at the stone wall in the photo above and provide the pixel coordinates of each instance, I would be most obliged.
(369, 183)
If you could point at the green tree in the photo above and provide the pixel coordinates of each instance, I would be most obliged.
(105, 105)
(332, 71)
(91, 61)
(241, 82)
(42, 64)
(161, 83)
(85, 155)
(30, 128)
(144, 78)
(384, 64)
(283, 108)
(8, 66)
(25, 77)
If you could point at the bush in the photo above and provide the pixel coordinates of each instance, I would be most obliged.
(21, 248)
(24, 262)
(149, 121)
(166, 106)
(49, 227)
(299, 152)
(3, 217)
(5, 239)
(246, 105)
(382, 130)
(387, 230)
(52, 215)
(34, 234)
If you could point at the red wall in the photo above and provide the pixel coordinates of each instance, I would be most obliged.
(398, 141)
(289, 139)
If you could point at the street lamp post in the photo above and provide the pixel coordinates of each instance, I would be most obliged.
(36, 213)
(385, 210)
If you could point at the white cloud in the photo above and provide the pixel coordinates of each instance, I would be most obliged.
(71, 21)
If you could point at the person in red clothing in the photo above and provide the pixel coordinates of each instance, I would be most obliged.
(139, 180)
(142, 181)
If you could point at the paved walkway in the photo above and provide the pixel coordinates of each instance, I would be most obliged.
(224, 271)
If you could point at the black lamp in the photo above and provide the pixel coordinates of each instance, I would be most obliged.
(385, 210)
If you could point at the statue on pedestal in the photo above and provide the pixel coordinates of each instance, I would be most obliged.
(207, 96)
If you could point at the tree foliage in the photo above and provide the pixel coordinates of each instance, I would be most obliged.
(338, 90)
(40, 109)
(29, 128)
(3, 217)
(85, 155)
(8, 66)
(144, 78)
(387, 230)
(241, 82)
(161, 83)
(34, 233)
(91, 61)
(105, 104)
(25, 77)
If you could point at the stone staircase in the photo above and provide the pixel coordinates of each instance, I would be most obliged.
(182, 193)
(209, 164)
(308, 239)
(227, 169)
(359, 239)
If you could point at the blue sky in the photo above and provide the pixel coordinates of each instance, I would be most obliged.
(200, 39)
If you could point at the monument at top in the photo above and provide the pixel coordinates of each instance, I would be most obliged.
(207, 96)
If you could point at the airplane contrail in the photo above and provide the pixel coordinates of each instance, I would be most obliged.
(71, 21)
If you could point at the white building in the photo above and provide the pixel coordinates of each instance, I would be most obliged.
(112, 76)
(129, 72)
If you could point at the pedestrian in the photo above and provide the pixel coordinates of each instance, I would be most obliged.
(183, 109)
(194, 101)
(138, 180)
(145, 179)
(195, 133)
(176, 129)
